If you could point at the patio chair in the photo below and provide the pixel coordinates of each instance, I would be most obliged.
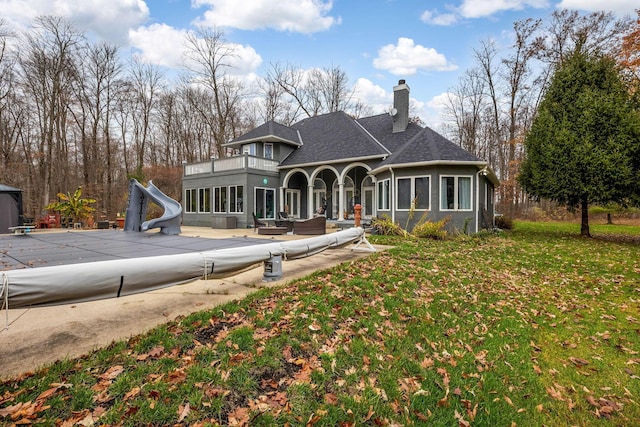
(257, 223)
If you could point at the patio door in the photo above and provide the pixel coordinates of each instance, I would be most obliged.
(319, 196)
(367, 202)
(292, 198)
(265, 203)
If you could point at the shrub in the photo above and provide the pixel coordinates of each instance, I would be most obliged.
(386, 227)
(431, 230)
(504, 222)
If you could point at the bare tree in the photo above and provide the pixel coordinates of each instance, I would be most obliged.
(97, 88)
(8, 129)
(596, 32)
(208, 60)
(312, 92)
(146, 82)
(49, 66)
(520, 110)
(489, 72)
(464, 107)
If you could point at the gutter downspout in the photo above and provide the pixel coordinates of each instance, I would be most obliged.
(477, 208)
(392, 195)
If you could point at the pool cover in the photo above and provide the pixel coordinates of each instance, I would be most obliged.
(74, 247)
(104, 269)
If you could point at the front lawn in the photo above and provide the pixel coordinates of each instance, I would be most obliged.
(535, 326)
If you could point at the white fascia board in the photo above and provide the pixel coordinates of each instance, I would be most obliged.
(479, 165)
(265, 138)
(332, 162)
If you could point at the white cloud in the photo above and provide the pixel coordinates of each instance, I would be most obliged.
(159, 44)
(485, 8)
(433, 112)
(108, 19)
(407, 58)
(373, 95)
(301, 16)
(442, 19)
(380, 101)
(164, 45)
(620, 7)
(482, 8)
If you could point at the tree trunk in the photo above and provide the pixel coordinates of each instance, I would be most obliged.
(584, 228)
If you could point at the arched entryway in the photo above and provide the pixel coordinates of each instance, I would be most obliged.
(358, 189)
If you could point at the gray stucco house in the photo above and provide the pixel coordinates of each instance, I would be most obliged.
(330, 163)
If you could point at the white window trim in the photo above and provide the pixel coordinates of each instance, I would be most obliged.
(380, 184)
(412, 191)
(202, 190)
(255, 198)
(194, 196)
(264, 150)
(236, 200)
(214, 199)
(291, 193)
(455, 192)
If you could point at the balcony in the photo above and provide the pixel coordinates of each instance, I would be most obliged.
(236, 163)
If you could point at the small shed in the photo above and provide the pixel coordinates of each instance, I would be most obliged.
(10, 208)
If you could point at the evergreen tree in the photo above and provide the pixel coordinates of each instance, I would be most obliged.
(583, 144)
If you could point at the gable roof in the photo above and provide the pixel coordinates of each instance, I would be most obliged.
(337, 137)
(428, 146)
(381, 127)
(331, 138)
(269, 132)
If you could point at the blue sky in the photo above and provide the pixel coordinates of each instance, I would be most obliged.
(376, 42)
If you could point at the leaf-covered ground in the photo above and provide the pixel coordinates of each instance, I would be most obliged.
(531, 327)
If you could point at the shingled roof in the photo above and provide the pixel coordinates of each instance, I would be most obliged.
(336, 137)
(333, 137)
(270, 132)
(381, 127)
(428, 146)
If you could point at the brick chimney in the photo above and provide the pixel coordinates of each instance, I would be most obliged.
(400, 111)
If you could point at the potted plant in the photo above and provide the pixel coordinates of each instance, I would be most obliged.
(73, 205)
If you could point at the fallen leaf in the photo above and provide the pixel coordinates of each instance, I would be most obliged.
(315, 326)
(239, 417)
(112, 372)
(330, 399)
(578, 361)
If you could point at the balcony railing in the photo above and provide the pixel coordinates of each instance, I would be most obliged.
(235, 163)
(198, 168)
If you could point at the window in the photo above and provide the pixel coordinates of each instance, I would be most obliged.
(292, 200)
(265, 202)
(236, 198)
(488, 192)
(413, 191)
(268, 151)
(204, 200)
(455, 193)
(319, 196)
(190, 197)
(220, 199)
(404, 193)
(249, 149)
(383, 195)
